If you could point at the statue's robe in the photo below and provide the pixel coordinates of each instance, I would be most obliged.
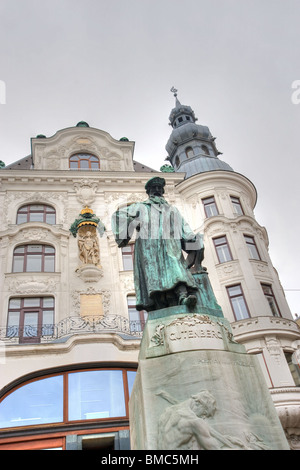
(161, 234)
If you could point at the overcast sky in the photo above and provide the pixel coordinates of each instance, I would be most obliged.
(112, 63)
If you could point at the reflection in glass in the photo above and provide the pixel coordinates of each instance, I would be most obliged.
(131, 374)
(37, 402)
(96, 394)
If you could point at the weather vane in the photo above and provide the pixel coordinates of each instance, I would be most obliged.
(173, 90)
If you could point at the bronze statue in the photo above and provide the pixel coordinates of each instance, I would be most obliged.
(161, 274)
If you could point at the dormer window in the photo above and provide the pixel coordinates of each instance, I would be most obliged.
(84, 161)
(205, 149)
(189, 152)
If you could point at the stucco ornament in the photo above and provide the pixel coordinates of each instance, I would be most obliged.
(86, 228)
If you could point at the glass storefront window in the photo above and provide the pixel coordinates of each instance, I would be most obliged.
(90, 395)
(96, 394)
(130, 379)
(37, 402)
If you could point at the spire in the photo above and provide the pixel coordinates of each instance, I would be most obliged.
(177, 102)
(181, 114)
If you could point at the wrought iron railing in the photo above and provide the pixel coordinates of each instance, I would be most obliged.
(71, 326)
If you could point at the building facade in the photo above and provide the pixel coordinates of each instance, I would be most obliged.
(69, 330)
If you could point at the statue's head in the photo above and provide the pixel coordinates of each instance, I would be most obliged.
(155, 186)
(203, 404)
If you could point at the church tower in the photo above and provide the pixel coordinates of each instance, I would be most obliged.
(220, 203)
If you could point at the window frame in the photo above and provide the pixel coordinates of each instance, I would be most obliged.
(39, 309)
(270, 295)
(293, 366)
(46, 211)
(252, 247)
(222, 245)
(84, 157)
(208, 205)
(142, 315)
(236, 296)
(237, 205)
(128, 257)
(189, 152)
(205, 150)
(66, 421)
(25, 255)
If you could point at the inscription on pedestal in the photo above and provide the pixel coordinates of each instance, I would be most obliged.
(193, 333)
(189, 333)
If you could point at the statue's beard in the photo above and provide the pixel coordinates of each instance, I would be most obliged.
(158, 199)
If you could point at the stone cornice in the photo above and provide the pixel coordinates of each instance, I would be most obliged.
(64, 347)
(34, 227)
(71, 176)
(257, 327)
(218, 178)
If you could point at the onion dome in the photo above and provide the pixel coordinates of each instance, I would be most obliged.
(191, 147)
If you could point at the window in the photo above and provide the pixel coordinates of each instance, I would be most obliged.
(238, 302)
(189, 152)
(36, 213)
(127, 257)
(177, 161)
(205, 149)
(84, 161)
(33, 258)
(94, 394)
(137, 319)
(30, 318)
(253, 251)
(294, 367)
(37, 402)
(210, 206)
(237, 207)
(222, 249)
(268, 291)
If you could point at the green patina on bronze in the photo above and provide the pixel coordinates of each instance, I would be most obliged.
(163, 277)
(87, 217)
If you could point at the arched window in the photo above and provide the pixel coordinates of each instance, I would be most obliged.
(205, 149)
(36, 213)
(84, 161)
(189, 152)
(177, 161)
(80, 395)
(33, 258)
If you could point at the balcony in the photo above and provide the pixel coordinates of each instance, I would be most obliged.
(257, 327)
(70, 326)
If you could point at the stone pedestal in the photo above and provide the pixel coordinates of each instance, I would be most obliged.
(196, 388)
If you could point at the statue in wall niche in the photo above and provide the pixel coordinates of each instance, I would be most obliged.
(86, 228)
(89, 248)
(161, 272)
(185, 426)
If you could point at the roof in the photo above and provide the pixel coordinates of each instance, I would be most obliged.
(23, 164)
(26, 163)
